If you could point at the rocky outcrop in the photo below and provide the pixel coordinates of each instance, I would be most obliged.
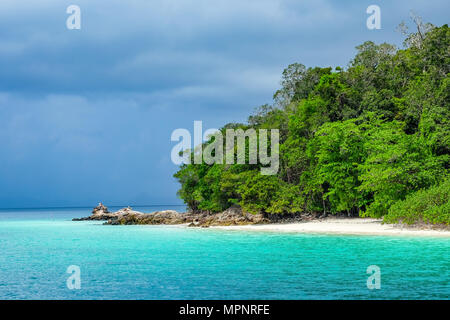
(100, 209)
(127, 216)
(100, 212)
(230, 217)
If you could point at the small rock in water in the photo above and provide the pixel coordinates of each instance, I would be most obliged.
(100, 209)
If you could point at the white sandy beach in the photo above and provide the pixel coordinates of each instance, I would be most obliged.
(342, 226)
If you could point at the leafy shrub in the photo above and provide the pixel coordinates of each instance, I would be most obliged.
(428, 206)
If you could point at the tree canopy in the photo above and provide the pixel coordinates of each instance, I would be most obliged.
(367, 140)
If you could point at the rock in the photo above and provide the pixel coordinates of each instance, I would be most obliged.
(100, 209)
(127, 216)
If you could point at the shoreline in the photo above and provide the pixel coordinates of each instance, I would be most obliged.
(235, 219)
(350, 226)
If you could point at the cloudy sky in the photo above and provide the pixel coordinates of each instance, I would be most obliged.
(86, 115)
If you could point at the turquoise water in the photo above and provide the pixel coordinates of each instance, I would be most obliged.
(159, 262)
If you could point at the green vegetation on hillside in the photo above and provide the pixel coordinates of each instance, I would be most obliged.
(427, 206)
(368, 140)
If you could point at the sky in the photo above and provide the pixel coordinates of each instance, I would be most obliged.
(86, 115)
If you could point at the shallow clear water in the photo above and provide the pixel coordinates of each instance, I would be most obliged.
(159, 262)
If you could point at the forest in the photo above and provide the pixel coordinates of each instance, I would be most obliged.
(371, 139)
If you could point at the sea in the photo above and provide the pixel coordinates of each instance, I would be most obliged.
(46, 255)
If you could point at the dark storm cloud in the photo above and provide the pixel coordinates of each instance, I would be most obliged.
(86, 115)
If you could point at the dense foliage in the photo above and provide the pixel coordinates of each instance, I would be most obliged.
(357, 141)
(428, 206)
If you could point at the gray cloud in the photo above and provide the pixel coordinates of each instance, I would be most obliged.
(87, 114)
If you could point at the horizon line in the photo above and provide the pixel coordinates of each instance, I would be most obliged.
(84, 207)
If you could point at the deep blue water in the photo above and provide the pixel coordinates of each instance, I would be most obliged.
(159, 262)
